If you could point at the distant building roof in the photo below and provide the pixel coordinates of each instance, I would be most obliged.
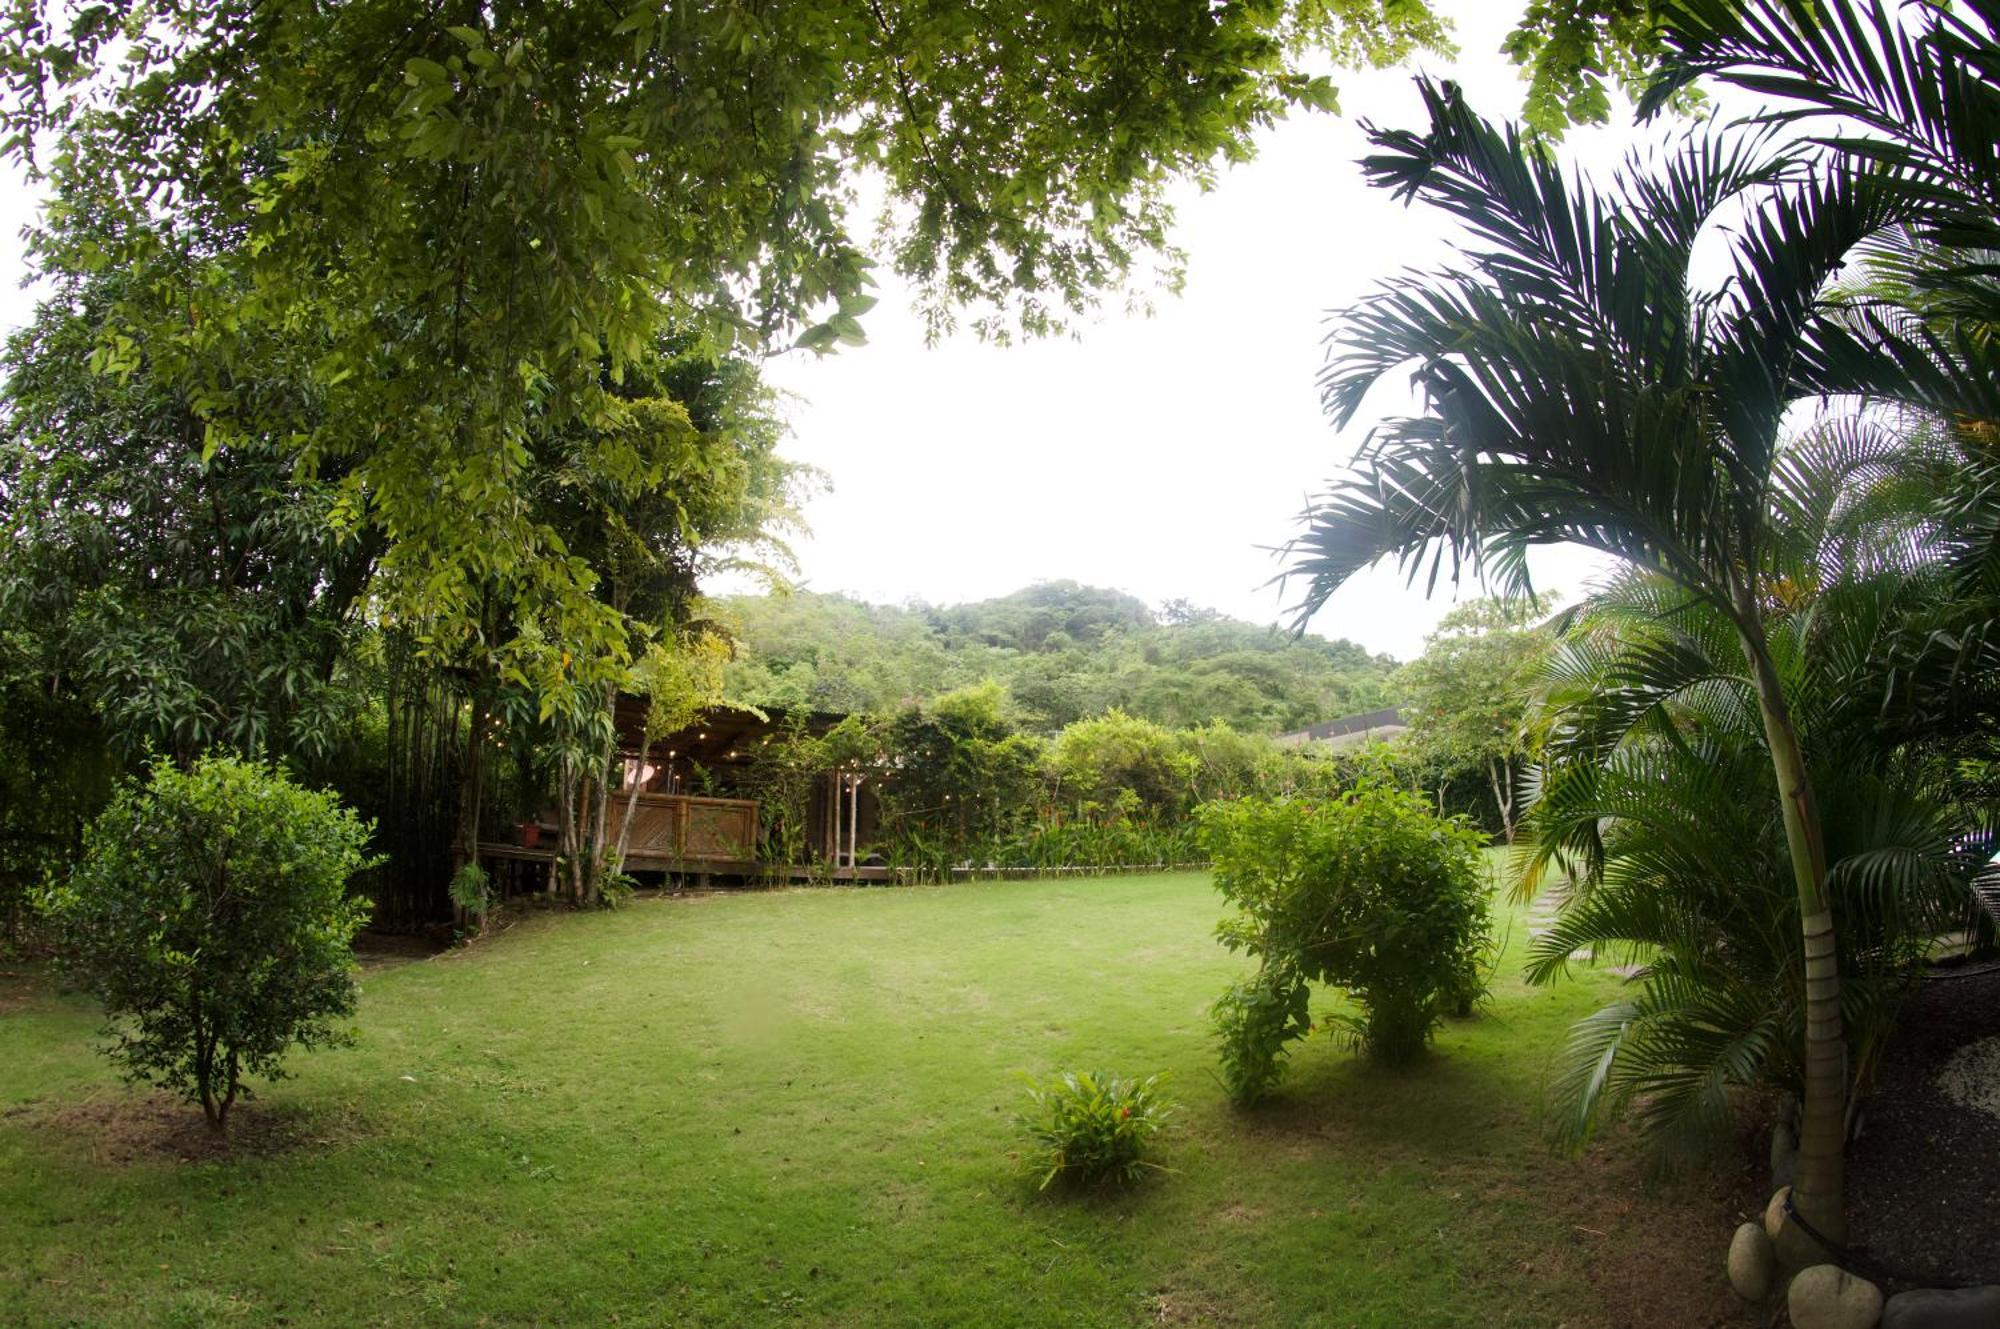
(1349, 730)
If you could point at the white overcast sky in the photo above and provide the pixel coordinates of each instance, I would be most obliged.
(1159, 455)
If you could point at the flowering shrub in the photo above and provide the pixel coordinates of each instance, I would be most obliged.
(1093, 1127)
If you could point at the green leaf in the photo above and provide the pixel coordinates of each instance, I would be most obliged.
(418, 70)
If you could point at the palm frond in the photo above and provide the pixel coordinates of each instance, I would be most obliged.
(1576, 387)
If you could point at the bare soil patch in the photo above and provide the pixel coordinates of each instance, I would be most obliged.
(383, 950)
(120, 1130)
(1652, 1248)
(1174, 1305)
(18, 986)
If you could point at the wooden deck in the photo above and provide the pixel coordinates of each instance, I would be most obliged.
(677, 833)
(747, 869)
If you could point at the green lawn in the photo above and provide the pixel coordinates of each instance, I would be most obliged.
(795, 1108)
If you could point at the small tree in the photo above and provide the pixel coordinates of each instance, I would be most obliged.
(1467, 696)
(1369, 892)
(210, 914)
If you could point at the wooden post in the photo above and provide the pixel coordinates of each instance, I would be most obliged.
(853, 822)
(834, 849)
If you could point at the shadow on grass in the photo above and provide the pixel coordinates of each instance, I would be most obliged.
(1436, 1105)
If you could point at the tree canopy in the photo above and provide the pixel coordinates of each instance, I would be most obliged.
(488, 215)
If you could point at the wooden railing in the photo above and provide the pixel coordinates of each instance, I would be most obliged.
(679, 828)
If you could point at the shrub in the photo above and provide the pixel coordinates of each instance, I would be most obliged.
(210, 914)
(1093, 1127)
(1368, 892)
(1116, 756)
(472, 893)
(617, 889)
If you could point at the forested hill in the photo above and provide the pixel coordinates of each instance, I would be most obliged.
(1064, 651)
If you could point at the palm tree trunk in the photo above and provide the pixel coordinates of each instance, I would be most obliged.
(1817, 1190)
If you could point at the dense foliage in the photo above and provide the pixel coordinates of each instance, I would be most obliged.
(961, 770)
(155, 597)
(1092, 1126)
(1064, 653)
(210, 913)
(53, 779)
(1368, 892)
(1580, 384)
(962, 783)
(1669, 850)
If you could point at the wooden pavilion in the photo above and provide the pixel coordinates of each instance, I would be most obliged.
(695, 815)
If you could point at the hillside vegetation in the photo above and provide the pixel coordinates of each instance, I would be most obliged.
(1063, 652)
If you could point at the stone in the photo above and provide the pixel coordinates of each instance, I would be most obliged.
(1753, 1263)
(1972, 1077)
(1795, 1249)
(1828, 1297)
(1784, 1155)
(1942, 1308)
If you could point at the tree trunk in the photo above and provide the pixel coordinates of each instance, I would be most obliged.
(600, 827)
(567, 847)
(233, 1079)
(586, 847)
(204, 1077)
(632, 794)
(1818, 1191)
(1500, 774)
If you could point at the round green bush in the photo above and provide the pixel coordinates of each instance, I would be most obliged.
(210, 914)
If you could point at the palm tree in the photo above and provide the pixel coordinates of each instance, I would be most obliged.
(1655, 800)
(1915, 89)
(1579, 387)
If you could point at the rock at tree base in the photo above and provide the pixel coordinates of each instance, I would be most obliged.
(1828, 1297)
(1753, 1263)
(1939, 1308)
(1795, 1249)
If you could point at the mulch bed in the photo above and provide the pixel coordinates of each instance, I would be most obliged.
(1923, 1184)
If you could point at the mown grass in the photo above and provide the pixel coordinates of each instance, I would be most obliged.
(796, 1108)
